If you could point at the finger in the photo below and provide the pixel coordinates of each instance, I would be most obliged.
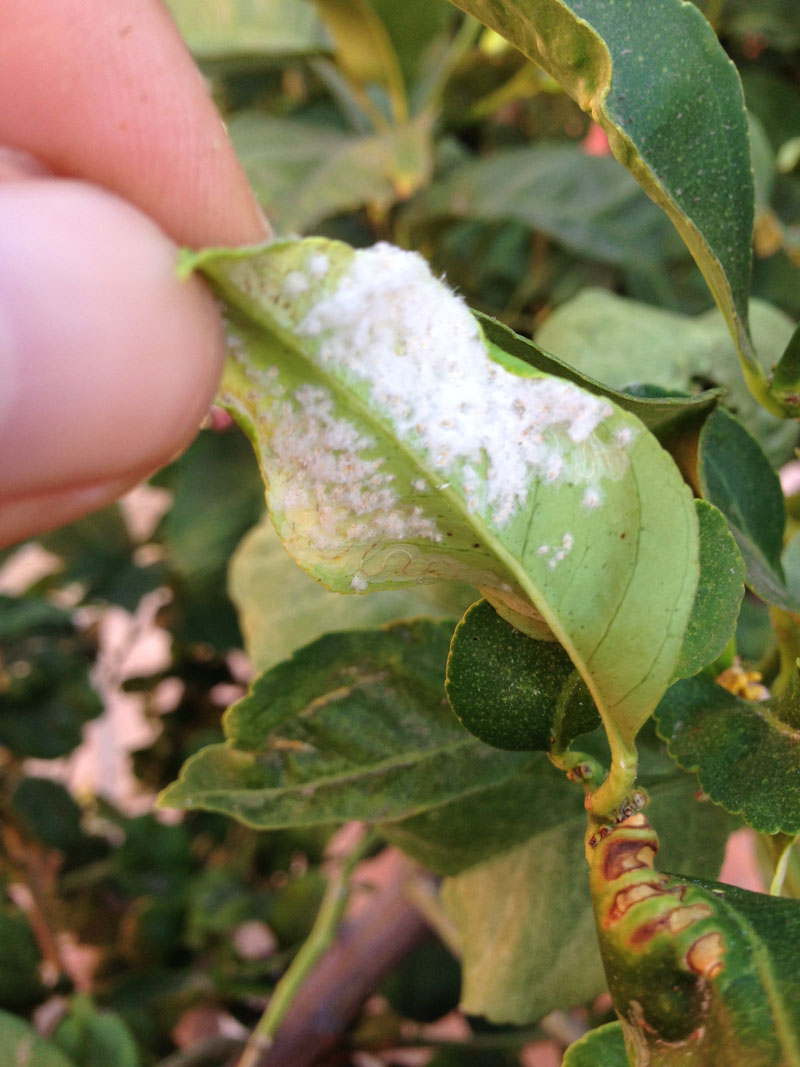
(108, 361)
(108, 92)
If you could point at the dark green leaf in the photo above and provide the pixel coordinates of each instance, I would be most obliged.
(699, 973)
(511, 691)
(736, 477)
(95, 1039)
(20, 960)
(49, 812)
(22, 1046)
(217, 498)
(603, 1047)
(719, 593)
(354, 726)
(785, 383)
(45, 692)
(588, 204)
(746, 753)
(98, 552)
(658, 81)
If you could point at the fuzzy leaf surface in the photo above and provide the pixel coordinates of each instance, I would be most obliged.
(354, 726)
(657, 80)
(737, 477)
(511, 691)
(381, 417)
(604, 1045)
(719, 593)
(746, 753)
(699, 972)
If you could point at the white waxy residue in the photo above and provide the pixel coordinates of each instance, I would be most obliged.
(346, 496)
(390, 325)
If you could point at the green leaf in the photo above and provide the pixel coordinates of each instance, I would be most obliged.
(699, 972)
(605, 1046)
(668, 418)
(657, 80)
(22, 1045)
(364, 50)
(746, 753)
(20, 981)
(736, 477)
(45, 692)
(785, 384)
(94, 1038)
(228, 29)
(217, 497)
(281, 609)
(354, 726)
(719, 593)
(381, 417)
(534, 902)
(623, 342)
(586, 203)
(98, 552)
(303, 172)
(511, 691)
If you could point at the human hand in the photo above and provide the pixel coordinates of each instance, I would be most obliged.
(115, 154)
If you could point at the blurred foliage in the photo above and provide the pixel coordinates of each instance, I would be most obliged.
(442, 139)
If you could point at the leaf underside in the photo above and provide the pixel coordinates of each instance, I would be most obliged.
(399, 446)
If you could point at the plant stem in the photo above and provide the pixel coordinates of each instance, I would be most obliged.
(782, 865)
(322, 936)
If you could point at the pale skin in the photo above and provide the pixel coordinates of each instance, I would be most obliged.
(112, 155)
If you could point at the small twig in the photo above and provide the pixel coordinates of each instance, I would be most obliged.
(782, 865)
(369, 945)
(322, 936)
(209, 1052)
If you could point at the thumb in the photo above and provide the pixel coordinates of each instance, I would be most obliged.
(108, 361)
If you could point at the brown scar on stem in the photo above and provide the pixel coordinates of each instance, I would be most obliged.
(623, 855)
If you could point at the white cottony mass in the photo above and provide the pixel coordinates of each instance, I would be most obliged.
(390, 325)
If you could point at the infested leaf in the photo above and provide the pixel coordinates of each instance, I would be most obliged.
(623, 343)
(746, 753)
(381, 418)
